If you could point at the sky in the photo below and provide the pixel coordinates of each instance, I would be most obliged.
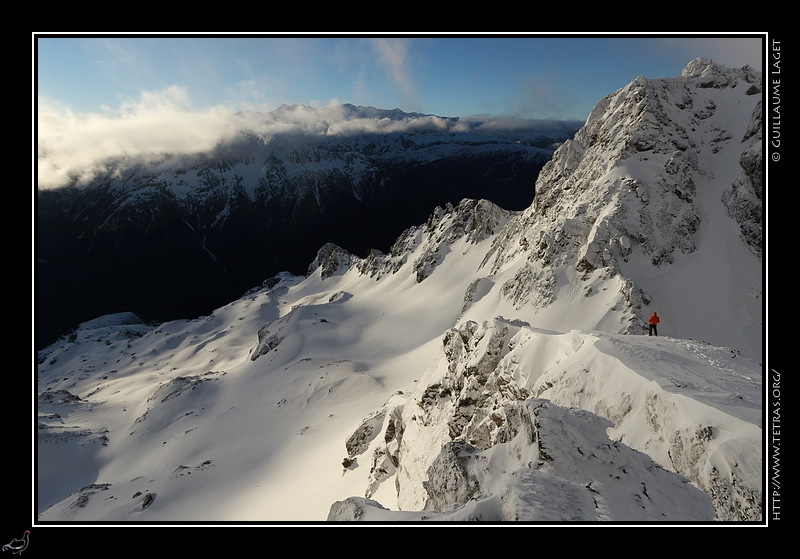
(115, 94)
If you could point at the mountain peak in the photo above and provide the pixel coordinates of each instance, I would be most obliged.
(711, 74)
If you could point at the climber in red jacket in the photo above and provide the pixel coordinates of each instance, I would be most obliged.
(653, 323)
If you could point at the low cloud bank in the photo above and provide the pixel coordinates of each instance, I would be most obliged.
(75, 148)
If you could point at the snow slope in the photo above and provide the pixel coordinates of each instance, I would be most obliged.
(184, 414)
(490, 367)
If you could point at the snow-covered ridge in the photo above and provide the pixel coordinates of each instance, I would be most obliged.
(663, 174)
(490, 367)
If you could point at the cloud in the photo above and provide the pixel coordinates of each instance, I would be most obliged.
(74, 147)
(393, 56)
(161, 128)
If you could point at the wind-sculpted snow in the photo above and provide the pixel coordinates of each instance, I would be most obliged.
(491, 366)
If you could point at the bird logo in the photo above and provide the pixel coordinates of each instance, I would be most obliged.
(18, 545)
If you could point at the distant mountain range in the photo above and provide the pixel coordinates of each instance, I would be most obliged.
(179, 239)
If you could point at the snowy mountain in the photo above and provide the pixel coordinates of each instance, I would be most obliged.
(491, 366)
(179, 236)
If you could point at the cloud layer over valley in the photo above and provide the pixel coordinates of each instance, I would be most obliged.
(163, 127)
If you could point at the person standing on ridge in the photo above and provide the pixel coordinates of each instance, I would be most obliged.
(653, 324)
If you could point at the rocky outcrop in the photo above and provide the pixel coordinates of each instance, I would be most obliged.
(745, 198)
(330, 260)
(471, 221)
(547, 463)
(485, 399)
